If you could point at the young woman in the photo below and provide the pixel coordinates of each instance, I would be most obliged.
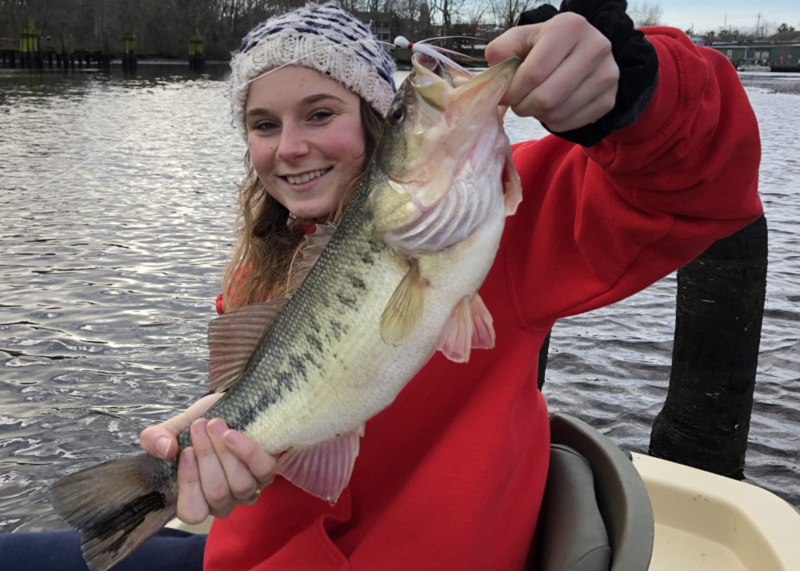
(654, 156)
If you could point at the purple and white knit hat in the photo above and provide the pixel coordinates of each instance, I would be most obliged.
(321, 37)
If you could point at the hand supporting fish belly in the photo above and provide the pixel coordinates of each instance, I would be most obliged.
(374, 299)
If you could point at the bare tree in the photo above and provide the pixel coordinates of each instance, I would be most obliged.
(645, 13)
(507, 12)
(445, 12)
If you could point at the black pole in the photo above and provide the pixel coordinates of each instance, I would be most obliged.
(720, 306)
(543, 360)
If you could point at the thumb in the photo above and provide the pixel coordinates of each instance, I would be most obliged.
(161, 440)
(517, 41)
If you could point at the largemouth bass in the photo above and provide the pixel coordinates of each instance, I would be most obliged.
(374, 299)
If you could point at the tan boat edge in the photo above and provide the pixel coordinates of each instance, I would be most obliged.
(709, 522)
(202, 527)
(702, 522)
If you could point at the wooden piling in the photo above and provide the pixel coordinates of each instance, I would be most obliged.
(720, 306)
(197, 60)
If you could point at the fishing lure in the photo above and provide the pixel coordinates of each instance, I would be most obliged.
(436, 52)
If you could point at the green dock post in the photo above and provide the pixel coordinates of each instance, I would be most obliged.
(197, 60)
(29, 53)
(129, 59)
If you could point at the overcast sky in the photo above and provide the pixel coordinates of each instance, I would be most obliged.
(708, 15)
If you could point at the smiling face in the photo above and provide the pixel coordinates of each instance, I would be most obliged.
(305, 138)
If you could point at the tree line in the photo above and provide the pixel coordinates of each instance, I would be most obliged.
(163, 27)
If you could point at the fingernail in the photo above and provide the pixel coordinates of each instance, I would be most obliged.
(216, 427)
(200, 427)
(162, 446)
(233, 438)
(188, 457)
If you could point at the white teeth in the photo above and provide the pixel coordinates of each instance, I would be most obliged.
(305, 177)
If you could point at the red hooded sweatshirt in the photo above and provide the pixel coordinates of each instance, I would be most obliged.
(451, 475)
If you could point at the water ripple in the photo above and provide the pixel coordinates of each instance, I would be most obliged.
(108, 275)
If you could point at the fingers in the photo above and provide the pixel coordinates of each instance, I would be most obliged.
(575, 94)
(192, 506)
(518, 41)
(568, 77)
(259, 463)
(593, 100)
(221, 470)
(241, 482)
(213, 481)
(543, 57)
(161, 440)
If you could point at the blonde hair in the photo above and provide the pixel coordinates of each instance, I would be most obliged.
(268, 238)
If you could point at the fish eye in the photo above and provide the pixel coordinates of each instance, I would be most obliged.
(396, 115)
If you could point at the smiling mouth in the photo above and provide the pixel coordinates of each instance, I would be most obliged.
(305, 177)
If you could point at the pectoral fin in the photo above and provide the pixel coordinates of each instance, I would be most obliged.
(324, 469)
(512, 185)
(404, 311)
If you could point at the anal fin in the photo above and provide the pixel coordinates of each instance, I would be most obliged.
(324, 469)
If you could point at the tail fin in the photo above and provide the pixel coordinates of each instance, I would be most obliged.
(116, 506)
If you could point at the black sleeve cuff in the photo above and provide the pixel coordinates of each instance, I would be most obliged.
(634, 54)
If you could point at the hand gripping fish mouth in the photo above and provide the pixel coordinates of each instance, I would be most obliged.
(372, 300)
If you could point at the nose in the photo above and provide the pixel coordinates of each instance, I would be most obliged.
(292, 145)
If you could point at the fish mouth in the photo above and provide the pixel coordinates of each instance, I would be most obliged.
(302, 178)
(440, 85)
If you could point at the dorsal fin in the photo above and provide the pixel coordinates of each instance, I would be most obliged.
(233, 337)
(307, 256)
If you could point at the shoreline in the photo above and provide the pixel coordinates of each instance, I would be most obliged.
(783, 83)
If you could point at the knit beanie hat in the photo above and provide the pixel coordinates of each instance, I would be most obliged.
(319, 37)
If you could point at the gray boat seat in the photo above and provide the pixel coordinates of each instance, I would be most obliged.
(596, 514)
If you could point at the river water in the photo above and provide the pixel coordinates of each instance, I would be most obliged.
(117, 202)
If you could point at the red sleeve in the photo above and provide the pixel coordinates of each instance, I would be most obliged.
(598, 224)
(220, 305)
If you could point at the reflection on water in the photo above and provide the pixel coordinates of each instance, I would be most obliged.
(108, 275)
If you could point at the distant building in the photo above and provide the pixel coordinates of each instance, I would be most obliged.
(760, 53)
(379, 22)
